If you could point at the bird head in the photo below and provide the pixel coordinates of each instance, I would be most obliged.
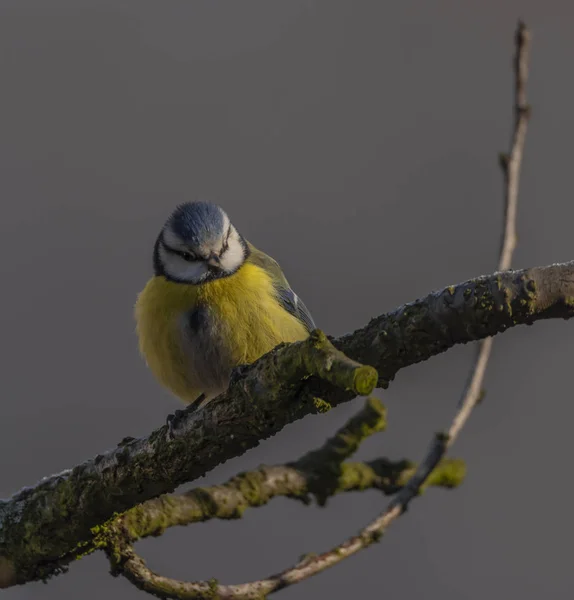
(197, 244)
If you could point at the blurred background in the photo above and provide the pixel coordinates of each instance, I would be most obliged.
(357, 143)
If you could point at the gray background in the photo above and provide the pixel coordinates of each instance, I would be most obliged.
(357, 143)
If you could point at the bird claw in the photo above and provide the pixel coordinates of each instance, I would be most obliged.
(172, 420)
(237, 373)
(171, 423)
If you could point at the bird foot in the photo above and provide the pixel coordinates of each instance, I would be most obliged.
(171, 423)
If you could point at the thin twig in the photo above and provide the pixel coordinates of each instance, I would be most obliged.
(473, 390)
(511, 172)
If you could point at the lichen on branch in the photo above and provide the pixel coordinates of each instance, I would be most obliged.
(42, 523)
(320, 474)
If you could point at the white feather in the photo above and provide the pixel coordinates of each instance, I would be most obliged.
(232, 258)
(180, 269)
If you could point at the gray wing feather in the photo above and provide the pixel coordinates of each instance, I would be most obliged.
(294, 305)
(288, 298)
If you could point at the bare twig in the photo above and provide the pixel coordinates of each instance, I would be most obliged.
(511, 171)
(473, 390)
(511, 163)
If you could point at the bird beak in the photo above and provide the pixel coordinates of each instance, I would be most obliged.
(213, 260)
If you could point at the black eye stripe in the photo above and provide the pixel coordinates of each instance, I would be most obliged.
(226, 242)
(189, 256)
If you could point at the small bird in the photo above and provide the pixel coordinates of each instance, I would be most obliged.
(215, 302)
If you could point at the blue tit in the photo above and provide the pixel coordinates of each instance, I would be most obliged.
(215, 302)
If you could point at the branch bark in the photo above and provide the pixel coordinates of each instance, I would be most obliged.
(40, 524)
(134, 567)
(472, 393)
(473, 390)
(321, 474)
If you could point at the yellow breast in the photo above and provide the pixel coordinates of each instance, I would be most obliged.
(246, 320)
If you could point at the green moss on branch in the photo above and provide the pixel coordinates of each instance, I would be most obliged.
(44, 522)
(321, 473)
(470, 311)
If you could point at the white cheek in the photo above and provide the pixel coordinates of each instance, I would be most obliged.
(234, 256)
(180, 269)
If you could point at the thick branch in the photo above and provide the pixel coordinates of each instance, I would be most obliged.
(41, 523)
(134, 567)
(299, 479)
(319, 474)
(472, 393)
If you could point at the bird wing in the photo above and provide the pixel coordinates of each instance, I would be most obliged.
(286, 296)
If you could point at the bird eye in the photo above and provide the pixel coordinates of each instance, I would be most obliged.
(187, 256)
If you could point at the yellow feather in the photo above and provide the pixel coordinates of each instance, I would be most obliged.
(250, 322)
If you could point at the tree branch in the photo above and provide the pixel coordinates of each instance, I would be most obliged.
(511, 171)
(134, 567)
(41, 523)
(321, 474)
(473, 392)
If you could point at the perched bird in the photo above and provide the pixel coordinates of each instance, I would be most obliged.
(215, 302)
